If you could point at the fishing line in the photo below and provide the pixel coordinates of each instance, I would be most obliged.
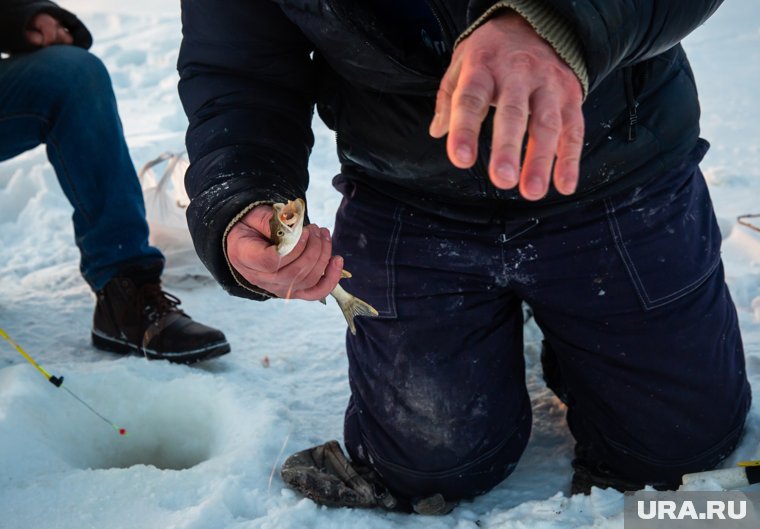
(57, 381)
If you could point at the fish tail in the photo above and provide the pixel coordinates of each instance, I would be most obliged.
(352, 307)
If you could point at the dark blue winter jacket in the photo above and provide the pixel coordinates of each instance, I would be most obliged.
(253, 70)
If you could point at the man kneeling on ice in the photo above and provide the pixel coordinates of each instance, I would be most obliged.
(568, 179)
(53, 91)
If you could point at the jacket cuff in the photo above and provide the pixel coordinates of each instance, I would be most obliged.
(550, 26)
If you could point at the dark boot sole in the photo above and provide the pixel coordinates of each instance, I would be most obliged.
(115, 345)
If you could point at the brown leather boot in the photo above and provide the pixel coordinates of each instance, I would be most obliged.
(134, 316)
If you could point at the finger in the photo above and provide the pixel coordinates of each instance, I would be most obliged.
(34, 37)
(509, 126)
(294, 274)
(327, 283)
(258, 219)
(318, 270)
(289, 281)
(258, 222)
(469, 106)
(307, 271)
(63, 36)
(249, 252)
(440, 124)
(544, 126)
(50, 33)
(569, 151)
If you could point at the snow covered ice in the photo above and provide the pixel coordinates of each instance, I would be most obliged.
(205, 443)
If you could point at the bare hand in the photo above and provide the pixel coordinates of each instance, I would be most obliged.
(45, 30)
(506, 64)
(308, 272)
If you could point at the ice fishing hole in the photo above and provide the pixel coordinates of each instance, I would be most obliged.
(171, 427)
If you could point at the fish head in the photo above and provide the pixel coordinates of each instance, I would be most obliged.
(286, 225)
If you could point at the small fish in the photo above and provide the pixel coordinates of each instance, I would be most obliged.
(286, 227)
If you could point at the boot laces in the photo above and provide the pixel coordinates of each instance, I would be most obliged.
(154, 302)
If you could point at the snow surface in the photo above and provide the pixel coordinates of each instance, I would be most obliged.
(205, 442)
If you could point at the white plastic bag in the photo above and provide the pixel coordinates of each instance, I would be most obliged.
(165, 204)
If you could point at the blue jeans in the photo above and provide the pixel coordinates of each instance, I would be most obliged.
(630, 296)
(62, 96)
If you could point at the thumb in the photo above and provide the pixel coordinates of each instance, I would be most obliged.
(258, 219)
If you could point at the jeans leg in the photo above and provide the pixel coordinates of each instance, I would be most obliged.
(439, 403)
(631, 297)
(62, 96)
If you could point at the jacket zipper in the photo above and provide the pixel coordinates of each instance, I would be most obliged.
(631, 103)
(447, 26)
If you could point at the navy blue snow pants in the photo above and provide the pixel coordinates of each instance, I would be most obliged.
(629, 293)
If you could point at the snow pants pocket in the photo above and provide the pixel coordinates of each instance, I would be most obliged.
(666, 234)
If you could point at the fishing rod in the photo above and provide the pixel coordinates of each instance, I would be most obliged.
(57, 381)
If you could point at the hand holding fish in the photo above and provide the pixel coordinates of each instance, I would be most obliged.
(267, 259)
(309, 271)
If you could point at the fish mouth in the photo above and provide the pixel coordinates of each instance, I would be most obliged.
(291, 213)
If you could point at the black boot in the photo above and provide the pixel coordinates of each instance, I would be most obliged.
(590, 472)
(134, 315)
(324, 475)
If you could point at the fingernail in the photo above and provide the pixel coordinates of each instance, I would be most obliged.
(464, 153)
(534, 186)
(507, 175)
(325, 234)
(339, 261)
(569, 185)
